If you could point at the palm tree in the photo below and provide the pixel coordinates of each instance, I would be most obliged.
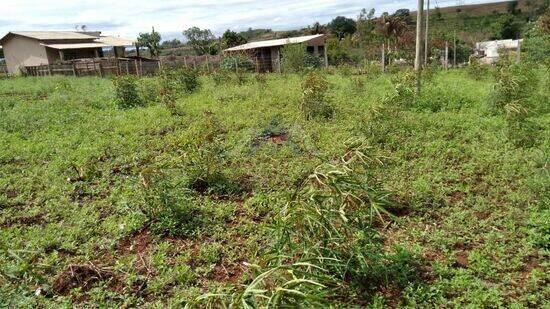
(391, 28)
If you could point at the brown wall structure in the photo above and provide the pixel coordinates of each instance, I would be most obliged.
(22, 51)
(35, 48)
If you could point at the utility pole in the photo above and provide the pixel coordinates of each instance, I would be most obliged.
(454, 50)
(419, 45)
(427, 31)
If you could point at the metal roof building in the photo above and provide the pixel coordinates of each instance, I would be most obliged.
(31, 48)
(267, 54)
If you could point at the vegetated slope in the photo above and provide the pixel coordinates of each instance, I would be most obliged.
(78, 175)
(483, 9)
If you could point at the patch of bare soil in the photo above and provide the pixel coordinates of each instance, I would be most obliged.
(80, 276)
(277, 139)
(27, 221)
(227, 273)
(138, 244)
(461, 259)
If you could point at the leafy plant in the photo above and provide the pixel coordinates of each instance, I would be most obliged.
(126, 92)
(404, 84)
(237, 63)
(315, 103)
(296, 59)
(325, 246)
(476, 69)
(176, 82)
(172, 211)
(513, 96)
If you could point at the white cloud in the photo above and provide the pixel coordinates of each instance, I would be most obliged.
(170, 17)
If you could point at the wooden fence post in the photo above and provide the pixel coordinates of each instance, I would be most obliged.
(446, 55)
(136, 65)
(383, 57)
(100, 67)
(207, 64)
(184, 61)
(74, 68)
(49, 70)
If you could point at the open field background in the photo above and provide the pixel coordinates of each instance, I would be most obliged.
(77, 173)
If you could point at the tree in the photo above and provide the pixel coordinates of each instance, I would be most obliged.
(404, 15)
(151, 41)
(512, 7)
(506, 27)
(171, 43)
(202, 41)
(366, 26)
(232, 38)
(317, 28)
(391, 28)
(341, 26)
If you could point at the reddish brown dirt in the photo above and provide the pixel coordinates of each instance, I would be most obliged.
(461, 259)
(31, 220)
(79, 275)
(138, 244)
(227, 273)
(278, 139)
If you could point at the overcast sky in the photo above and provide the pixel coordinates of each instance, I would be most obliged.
(170, 17)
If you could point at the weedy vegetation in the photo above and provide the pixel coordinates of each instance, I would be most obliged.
(338, 187)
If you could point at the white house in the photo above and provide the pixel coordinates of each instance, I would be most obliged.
(488, 51)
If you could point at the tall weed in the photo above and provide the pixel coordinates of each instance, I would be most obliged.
(315, 102)
(513, 96)
(126, 92)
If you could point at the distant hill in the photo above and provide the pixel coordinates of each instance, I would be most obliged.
(485, 9)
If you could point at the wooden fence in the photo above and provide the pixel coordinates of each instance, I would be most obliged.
(3, 69)
(97, 67)
(205, 63)
(122, 66)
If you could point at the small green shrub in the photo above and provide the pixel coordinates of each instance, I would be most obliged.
(274, 128)
(315, 103)
(172, 211)
(476, 69)
(126, 92)
(358, 84)
(371, 69)
(176, 82)
(437, 98)
(221, 77)
(205, 159)
(241, 78)
(150, 90)
(296, 59)
(513, 96)
(210, 253)
(404, 84)
(237, 63)
(261, 78)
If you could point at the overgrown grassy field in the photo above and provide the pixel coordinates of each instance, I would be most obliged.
(109, 207)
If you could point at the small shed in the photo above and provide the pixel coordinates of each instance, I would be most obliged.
(267, 54)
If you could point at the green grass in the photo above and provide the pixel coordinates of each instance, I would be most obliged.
(80, 180)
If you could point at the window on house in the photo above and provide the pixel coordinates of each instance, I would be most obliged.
(321, 50)
(310, 49)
